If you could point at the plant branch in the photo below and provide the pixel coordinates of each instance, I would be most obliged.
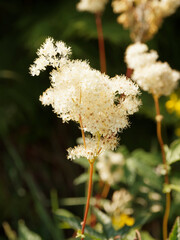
(101, 43)
(88, 197)
(105, 191)
(166, 178)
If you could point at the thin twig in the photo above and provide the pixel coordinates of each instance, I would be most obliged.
(101, 43)
(166, 178)
(88, 198)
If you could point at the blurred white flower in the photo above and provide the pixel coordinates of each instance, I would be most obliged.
(120, 203)
(93, 6)
(143, 17)
(110, 167)
(156, 208)
(153, 76)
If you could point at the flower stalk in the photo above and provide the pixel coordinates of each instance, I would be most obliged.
(105, 191)
(88, 197)
(166, 178)
(101, 43)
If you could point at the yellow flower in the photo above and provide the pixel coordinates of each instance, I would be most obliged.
(173, 104)
(177, 107)
(170, 106)
(122, 220)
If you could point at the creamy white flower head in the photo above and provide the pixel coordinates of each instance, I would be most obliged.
(79, 92)
(109, 166)
(50, 54)
(137, 55)
(153, 76)
(158, 78)
(93, 149)
(120, 203)
(93, 6)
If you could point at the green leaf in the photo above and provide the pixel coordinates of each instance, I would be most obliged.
(75, 223)
(143, 164)
(173, 152)
(108, 227)
(9, 232)
(144, 235)
(175, 233)
(83, 178)
(82, 161)
(25, 233)
(81, 201)
(105, 220)
(168, 187)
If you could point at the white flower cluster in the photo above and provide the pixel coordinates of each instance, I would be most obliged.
(151, 75)
(79, 92)
(93, 6)
(120, 203)
(50, 54)
(110, 167)
(94, 147)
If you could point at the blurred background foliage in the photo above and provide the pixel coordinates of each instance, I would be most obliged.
(33, 140)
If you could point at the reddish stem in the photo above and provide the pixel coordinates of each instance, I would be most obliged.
(105, 190)
(88, 198)
(101, 42)
(166, 178)
(129, 72)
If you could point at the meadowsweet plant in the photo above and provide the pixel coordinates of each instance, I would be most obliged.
(158, 79)
(98, 103)
(96, 7)
(143, 17)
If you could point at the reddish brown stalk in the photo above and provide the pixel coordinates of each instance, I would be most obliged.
(105, 190)
(101, 43)
(129, 72)
(166, 178)
(88, 198)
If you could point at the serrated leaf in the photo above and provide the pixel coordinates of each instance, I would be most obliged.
(173, 152)
(75, 223)
(175, 233)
